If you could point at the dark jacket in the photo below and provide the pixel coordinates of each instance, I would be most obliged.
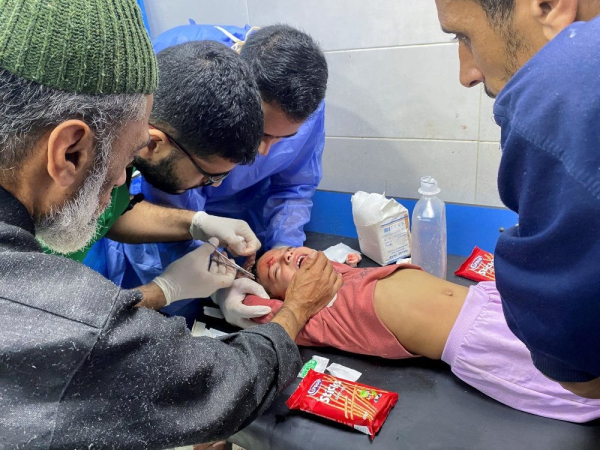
(548, 267)
(81, 367)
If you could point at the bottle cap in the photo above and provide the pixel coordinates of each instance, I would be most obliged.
(429, 186)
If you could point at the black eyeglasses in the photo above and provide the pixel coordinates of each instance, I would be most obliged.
(211, 178)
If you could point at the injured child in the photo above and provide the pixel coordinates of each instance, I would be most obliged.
(400, 311)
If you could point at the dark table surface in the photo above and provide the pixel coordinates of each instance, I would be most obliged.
(435, 409)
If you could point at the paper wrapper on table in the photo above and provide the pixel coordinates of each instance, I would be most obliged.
(383, 227)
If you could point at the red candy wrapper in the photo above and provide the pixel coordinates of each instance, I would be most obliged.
(478, 267)
(364, 408)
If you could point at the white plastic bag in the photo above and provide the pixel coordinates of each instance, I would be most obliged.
(383, 227)
(339, 253)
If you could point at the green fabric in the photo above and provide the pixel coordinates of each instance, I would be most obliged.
(81, 46)
(120, 202)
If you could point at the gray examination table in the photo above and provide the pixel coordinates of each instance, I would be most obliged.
(435, 409)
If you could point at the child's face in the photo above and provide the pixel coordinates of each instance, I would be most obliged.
(277, 267)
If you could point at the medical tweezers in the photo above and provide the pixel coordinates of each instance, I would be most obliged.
(221, 258)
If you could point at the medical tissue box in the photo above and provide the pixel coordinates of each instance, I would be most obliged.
(383, 227)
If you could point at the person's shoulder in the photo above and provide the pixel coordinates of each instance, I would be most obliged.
(552, 104)
(561, 77)
(342, 268)
(59, 286)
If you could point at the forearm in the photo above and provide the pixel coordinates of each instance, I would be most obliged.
(291, 320)
(147, 223)
(218, 385)
(152, 297)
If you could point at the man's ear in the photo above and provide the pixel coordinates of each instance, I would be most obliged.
(159, 146)
(71, 151)
(554, 15)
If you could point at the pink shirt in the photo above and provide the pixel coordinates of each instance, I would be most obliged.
(351, 323)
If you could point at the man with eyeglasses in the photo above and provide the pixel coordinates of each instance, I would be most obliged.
(200, 128)
(273, 194)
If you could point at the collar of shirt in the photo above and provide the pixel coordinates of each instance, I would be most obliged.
(13, 212)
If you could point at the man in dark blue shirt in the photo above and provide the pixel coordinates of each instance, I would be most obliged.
(540, 59)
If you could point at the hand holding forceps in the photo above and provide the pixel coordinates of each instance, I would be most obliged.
(221, 258)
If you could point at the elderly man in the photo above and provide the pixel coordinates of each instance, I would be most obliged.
(80, 365)
(539, 58)
(200, 129)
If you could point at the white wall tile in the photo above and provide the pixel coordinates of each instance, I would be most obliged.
(396, 166)
(409, 92)
(488, 131)
(163, 15)
(352, 24)
(393, 114)
(488, 163)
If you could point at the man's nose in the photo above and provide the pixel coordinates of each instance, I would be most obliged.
(470, 73)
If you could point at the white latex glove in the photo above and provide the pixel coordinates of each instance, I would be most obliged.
(230, 301)
(236, 234)
(191, 277)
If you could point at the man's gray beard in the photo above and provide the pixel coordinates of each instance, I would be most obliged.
(69, 228)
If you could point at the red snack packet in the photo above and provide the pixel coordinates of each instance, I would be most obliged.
(478, 267)
(364, 408)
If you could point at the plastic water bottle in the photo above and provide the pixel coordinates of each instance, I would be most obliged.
(429, 248)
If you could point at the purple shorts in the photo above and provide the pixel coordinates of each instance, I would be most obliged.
(484, 353)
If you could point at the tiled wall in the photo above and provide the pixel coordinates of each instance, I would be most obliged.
(395, 108)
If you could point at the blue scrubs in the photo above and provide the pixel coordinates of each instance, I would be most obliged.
(274, 194)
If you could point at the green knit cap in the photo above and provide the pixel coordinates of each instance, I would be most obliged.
(80, 46)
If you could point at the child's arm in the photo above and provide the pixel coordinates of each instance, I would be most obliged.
(305, 337)
(255, 300)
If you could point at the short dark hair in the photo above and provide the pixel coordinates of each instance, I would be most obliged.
(289, 67)
(498, 12)
(208, 101)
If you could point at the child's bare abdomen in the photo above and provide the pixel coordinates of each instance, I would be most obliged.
(419, 309)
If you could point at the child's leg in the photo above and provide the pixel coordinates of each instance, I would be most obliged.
(484, 353)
